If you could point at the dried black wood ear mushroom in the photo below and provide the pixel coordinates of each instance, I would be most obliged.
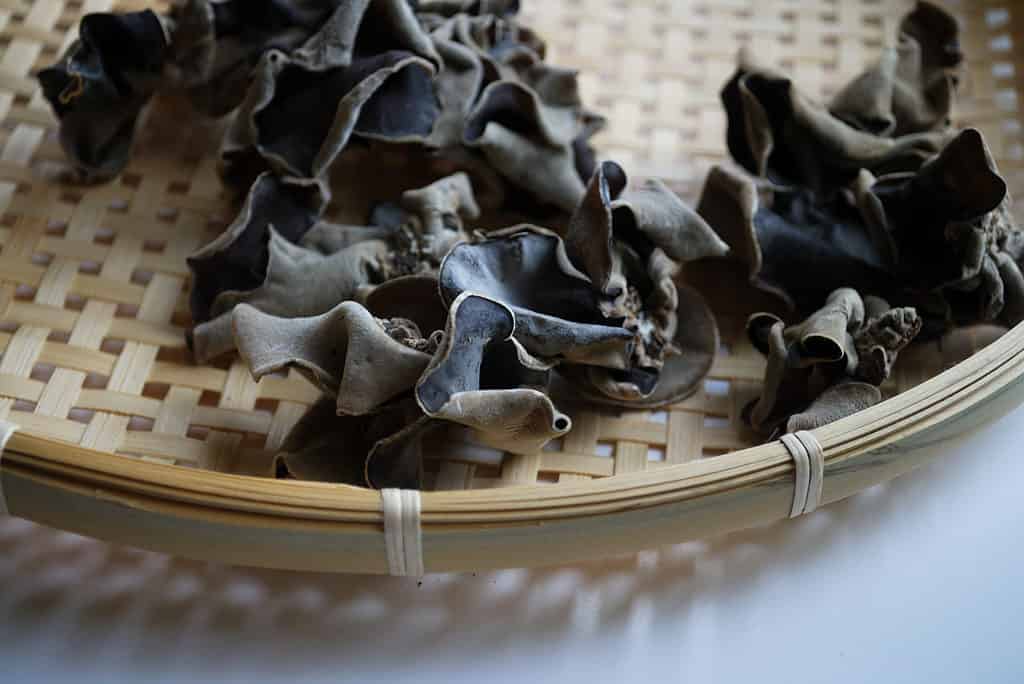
(828, 366)
(380, 449)
(631, 243)
(433, 221)
(505, 47)
(421, 227)
(837, 401)
(237, 258)
(776, 132)
(396, 459)
(100, 86)
(913, 86)
(311, 449)
(326, 237)
(255, 260)
(498, 99)
(483, 378)
(952, 225)
(797, 245)
(298, 282)
(368, 72)
(382, 446)
(347, 352)
(414, 298)
(886, 331)
(479, 377)
(694, 344)
(532, 143)
(256, 263)
(457, 85)
(216, 44)
(559, 312)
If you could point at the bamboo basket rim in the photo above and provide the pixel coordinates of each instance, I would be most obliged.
(907, 414)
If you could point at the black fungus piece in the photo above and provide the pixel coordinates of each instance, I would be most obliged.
(100, 86)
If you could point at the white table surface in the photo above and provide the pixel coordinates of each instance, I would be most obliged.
(915, 581)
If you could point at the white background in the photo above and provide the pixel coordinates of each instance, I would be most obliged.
(915, 581)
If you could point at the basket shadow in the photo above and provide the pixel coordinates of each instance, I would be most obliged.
(90, 596)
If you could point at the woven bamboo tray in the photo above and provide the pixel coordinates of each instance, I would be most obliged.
(124, 439)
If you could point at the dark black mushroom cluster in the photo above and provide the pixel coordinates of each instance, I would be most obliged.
(469, 328)
(830, 365)
(461, 84)
(874, 191)
(418, 318)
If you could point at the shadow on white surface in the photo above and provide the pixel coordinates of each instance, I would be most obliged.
(697, 608)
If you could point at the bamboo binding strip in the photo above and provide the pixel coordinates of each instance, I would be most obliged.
(808, 471)
(93, 305)
(402, 532)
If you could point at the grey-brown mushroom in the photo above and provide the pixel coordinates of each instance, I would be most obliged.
(952, 227)
(796, 245)
(478, 376)
(913, 86)
(631, 242)
(830, 365)
(216, 44)
(890, 119)
(603, 304)
(367, 72)
(257, 261)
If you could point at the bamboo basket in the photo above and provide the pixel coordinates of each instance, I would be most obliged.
(123, 438)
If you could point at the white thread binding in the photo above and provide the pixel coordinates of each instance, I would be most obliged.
(817, 455)
(402, 532)
(6, 430)
(809, 461)
(802, 464)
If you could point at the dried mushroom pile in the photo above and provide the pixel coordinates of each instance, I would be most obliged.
(870, 216)
(872, 195)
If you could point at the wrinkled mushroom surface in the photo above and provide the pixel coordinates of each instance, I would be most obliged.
(941, 239)
(794, 244)
(479, 376)
(829, 365)
(429, 221)
(620, 321)
(696, 341)
(482, 378)
(257, 261)
(368, 71)
(237, 258)
(346, 352)
(557, 308)
(876, 192)
(778, 133)
(528, 141)
(100, 85)
(462, 86)
(343, 82)
(952, 226)
(631, 243)
(216, 44)
(912, 87)
(381, 449)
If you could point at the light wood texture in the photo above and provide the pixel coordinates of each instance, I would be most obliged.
(93, 305)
